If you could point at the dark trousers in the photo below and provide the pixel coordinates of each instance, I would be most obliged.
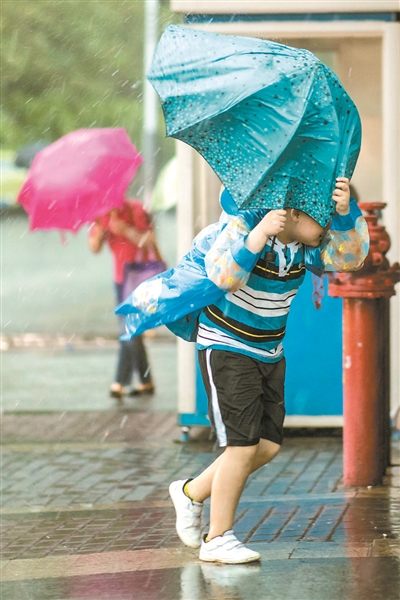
(132, 357)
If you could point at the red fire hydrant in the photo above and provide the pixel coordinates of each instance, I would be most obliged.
(366, 359)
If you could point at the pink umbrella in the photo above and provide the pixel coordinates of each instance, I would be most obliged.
(80, 177)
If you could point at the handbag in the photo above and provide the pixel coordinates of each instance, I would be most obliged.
(149, 262)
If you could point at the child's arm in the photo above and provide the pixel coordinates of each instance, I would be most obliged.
(234, 253)
(346, 244)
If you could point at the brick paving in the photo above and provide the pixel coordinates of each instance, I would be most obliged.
(116, 425)
(97, 482)
(64, 476)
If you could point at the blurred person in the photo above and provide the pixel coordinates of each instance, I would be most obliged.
(129, 234)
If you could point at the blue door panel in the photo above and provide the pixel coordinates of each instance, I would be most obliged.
(313, 349)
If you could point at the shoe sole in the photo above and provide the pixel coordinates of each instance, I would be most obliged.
(230, 562)
(176, 527)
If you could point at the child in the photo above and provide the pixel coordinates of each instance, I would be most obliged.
(241, 358)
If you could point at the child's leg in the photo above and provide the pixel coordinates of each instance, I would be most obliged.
(247, 412)
(225, 479)
(227, 485)
(200, 488)
(188, 497)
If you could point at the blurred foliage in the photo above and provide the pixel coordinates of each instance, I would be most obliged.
(68, 64)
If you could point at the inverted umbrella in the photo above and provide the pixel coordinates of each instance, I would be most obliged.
(274, 123)
(78, 178)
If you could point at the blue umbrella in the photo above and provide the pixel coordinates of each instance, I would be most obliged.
(274, 123)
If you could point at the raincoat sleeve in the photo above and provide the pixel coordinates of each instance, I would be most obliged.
(229, 263)
(344, 247)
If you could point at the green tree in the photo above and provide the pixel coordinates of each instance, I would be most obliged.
(69, 64)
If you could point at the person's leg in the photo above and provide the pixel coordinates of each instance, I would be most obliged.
(233, 386)
(125, 363)
(141, 362)
(225, 479)
(124, 371)
(230, 476)
(264, 412)
(235, 389)
(273, 378)
(188, 496)
(142, 367)
(227, 485)
(199, 488)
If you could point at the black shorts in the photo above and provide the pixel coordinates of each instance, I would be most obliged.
(245, 397)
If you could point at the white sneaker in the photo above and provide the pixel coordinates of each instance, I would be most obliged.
(188, 515)
(227, 549)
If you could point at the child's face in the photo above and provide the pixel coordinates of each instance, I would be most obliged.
(307, 231)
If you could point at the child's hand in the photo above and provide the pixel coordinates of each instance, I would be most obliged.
(341, 196)
(273, 222)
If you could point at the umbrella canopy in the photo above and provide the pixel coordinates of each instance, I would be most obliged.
(80, 177)
(273, 122)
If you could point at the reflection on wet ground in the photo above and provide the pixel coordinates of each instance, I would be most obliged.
(329, 578)
(86, 515)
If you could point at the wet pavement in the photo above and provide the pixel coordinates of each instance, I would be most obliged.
(41, 374)
(86, 515)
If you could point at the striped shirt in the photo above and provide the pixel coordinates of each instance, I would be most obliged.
(252, 319)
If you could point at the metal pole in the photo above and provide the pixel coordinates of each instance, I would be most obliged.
(150, 101)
